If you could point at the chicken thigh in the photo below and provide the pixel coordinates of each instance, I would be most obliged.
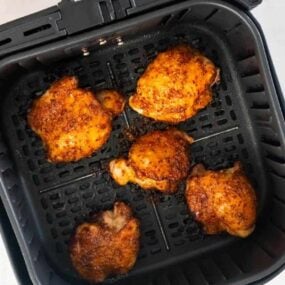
(157, 160)
(71, 122)
(106, 246)
(222, 200)
(175, 86)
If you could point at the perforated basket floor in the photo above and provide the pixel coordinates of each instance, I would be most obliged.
(63, 195)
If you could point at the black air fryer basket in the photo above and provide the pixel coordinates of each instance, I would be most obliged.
(108, 44)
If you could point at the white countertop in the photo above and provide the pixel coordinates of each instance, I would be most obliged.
(270, 15)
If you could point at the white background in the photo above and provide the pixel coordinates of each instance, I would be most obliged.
(271, 17)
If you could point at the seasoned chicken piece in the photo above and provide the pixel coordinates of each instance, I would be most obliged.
(175, 86)
(71, 122)
(222, 200)
(157, 160)
(106, 246)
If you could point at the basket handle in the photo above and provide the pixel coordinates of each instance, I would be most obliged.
(73, 16)
(79, 15)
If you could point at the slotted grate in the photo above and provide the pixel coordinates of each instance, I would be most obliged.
(64, 195)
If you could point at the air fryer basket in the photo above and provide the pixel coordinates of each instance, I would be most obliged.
(244, 122)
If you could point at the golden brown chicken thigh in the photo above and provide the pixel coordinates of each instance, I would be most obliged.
(71, 122)
(106, 246)
(157, 160)
(222, 200)
(175, 86)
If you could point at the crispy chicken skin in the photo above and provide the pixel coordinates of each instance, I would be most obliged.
(106, 246)
(175, 86)
(157, 160)
(222, 200)
(71, 122)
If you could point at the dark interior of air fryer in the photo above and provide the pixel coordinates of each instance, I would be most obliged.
(63, 195)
